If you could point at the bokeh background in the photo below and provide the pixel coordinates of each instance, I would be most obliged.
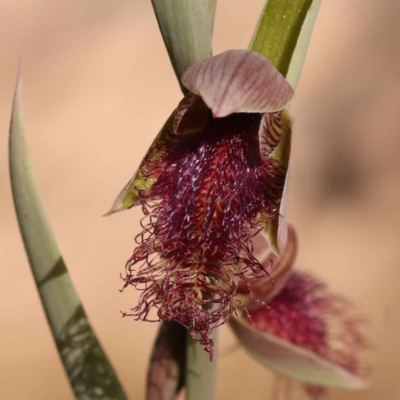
(97, 87)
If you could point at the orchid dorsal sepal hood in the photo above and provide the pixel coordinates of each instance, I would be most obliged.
(233, 82)
(298, 328)
(238, 81)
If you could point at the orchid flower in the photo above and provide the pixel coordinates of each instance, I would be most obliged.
(296, 327)
(210, 182)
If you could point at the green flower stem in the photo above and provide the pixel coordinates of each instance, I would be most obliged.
(201, 374)
(88, 369)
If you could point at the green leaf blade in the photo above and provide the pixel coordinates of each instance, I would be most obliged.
(303, 41)
(283, 34)
(212, 8)
(186, 29)
(78, 346)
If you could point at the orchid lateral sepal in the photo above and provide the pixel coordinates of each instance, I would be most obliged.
(129, 195)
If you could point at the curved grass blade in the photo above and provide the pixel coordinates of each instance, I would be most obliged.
(89, 371)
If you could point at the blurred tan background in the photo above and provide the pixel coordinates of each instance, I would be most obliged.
(97, 87)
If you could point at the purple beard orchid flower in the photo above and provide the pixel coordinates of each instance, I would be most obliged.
(209, 182)
(298, 328)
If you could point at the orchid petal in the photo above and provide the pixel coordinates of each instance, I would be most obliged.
(191, 116)
(269, 133)
(238, 81)
(129, 195)
(293, 361)
(266, 289)
(275, 229)
(282, 152)
(166, 373)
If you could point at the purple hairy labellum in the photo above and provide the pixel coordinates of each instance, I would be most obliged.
(213, 178)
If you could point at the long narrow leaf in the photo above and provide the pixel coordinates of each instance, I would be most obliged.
(90, 373)
(300, 51)
(212, 7)
(186, 30)
(283, 34)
